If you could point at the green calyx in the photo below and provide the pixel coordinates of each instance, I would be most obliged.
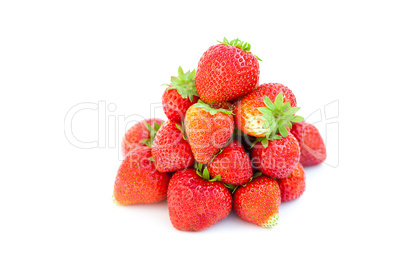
(212, 111)
(152, 133)
(278, 116)
(232, 188)
(203, 172)
(184, 84)
(239, 44)
(182, 129)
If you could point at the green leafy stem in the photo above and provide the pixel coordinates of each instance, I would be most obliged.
(152, 133)
(184, 83)
(239, 44)
(278, 116)
(212, 111)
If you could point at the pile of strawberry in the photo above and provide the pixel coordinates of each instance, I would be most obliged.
(229, 141)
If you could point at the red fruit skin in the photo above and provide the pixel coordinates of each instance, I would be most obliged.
(174, 106)
(195, 204)
(312, 147)
(277, 160)
(248, 118)
(170, 151)
(135, 134)
(233, 164)
(225, 73)
(138, 181)
(207, 133)
(293, 186)
(258, 202)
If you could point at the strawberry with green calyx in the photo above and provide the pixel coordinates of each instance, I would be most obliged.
(239, 44)
(232, 164)
(196, 203)
(170, 150)
(180, 95)
(208, 128)
(138, 181)
(293, 186)
(312, 147)
(227, 71)
(152, 133)
(278, 159)
(141, 134)
(203, 172)
(232, 187)
(266, 112)
(258, 201)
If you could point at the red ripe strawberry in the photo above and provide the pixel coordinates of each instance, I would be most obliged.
(141, 134)
(226, 72)
(179, 96)
(278, 159)
(232, 164)
(266, 111)
(137, 181)
(293, 186)
(170, 150)
(196, 204)
(312, 147)
(208, 129)
(258, 202)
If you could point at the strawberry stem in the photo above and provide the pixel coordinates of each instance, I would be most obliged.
(203, 172)
(278, 116)
(184, 83)
(152, 133)
(239, 44)
(212, 111)
(182, 129)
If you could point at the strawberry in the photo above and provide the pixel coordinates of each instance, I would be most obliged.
(137, 181)
(194, 203)
(279, 158)
(232, 164)
(141, 134)
(170, 150)
(179, 96)
(258, 201)
(312, 147)
(226, 72)
(208, 128)
(266, 111)
(293, 186)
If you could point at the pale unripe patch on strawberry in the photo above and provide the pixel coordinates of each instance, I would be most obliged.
(266, 112)
(255, 125)
(258, 201)
(272, 221)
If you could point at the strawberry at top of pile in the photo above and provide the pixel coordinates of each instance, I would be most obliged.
(229, 141)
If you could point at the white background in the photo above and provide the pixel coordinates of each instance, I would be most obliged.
(56, 204)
